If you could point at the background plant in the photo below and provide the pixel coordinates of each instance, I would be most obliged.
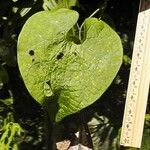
(10, 131)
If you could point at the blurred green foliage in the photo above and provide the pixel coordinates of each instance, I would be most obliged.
(54, 4)
(10, 131)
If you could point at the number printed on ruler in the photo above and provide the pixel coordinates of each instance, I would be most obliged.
(135, 75)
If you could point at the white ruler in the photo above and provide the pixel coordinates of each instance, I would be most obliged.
(138, 86)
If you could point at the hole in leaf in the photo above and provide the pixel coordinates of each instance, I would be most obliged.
(33, 60)
(75, 53)
(31, 53)
(60, 55)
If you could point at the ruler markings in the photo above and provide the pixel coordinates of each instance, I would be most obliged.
(138, 84)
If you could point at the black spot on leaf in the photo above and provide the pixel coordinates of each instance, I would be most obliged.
(33, 60)
(60, 55)
(75, 53)
(31, 53)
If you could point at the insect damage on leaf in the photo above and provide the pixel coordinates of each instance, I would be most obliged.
(85, 72)
(75, 53)
(31, 53)
(60, 55)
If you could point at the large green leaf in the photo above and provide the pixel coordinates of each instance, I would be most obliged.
(56, 71)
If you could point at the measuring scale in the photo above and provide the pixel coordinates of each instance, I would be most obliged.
(138, 86)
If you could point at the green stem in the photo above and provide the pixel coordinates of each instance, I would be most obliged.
(96, 11)
(48, 130)
(80, 28)
(53, 2)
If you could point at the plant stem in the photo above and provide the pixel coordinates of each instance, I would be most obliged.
(97, 10)
(80, 28)
(48, 130)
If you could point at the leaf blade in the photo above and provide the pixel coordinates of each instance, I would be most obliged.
(72, 75)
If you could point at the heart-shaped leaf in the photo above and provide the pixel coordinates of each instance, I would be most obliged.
(56, 71)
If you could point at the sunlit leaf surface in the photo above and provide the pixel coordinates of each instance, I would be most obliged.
(61, 73)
